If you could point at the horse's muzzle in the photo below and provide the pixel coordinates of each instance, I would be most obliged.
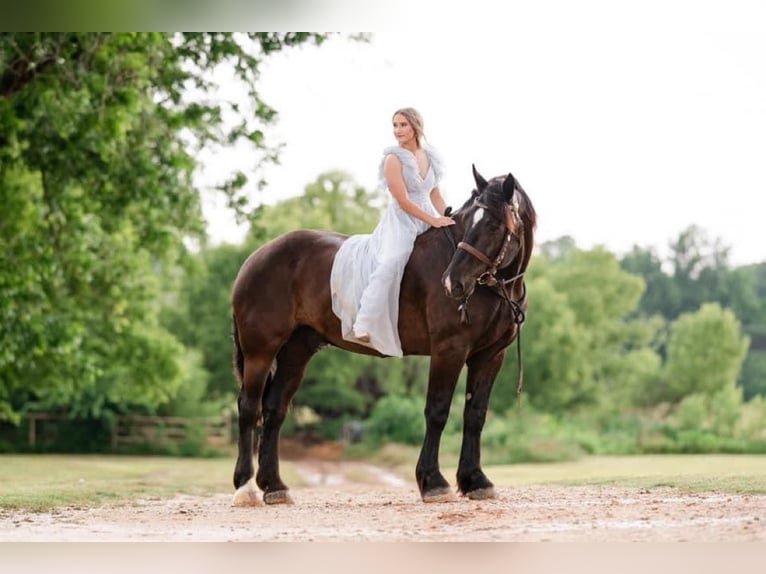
(453, 289)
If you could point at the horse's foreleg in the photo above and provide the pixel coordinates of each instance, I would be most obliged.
(256, 372)
(482, 371)
(442, 379)
(291, 367)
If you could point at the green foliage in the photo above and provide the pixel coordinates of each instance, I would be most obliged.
(662, 295)
(598, 291)
(705, 352)
(96, 188)
(700, 269)
(557, 372)
(329, 386)
(397, 419)
(752, 421)
(333, 202)
(78, 307)
(753, 378)
(193, 398)
(529, 437)
(584, 347)
(717, 413)
(197, 310)
(631, 377)
(698, 272)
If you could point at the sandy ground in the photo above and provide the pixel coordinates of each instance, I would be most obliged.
(384, 507)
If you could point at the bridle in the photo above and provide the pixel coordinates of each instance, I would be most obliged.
(514, 227)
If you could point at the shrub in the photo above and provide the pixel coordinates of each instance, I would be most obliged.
(397, 419)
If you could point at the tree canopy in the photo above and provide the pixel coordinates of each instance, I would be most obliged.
(97, 133)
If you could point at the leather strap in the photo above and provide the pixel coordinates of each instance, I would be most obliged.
(475, 252)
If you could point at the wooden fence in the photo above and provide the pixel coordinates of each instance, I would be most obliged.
(131, 430)
(142, 430)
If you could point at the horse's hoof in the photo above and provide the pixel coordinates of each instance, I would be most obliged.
(442, 494)
(278, 497)
(246, 495)
(482, 493)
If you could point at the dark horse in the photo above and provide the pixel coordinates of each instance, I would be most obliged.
(282, 316)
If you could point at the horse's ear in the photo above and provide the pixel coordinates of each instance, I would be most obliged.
(481, 183)
(509, 186)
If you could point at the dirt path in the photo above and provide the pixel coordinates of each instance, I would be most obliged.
(387, 508)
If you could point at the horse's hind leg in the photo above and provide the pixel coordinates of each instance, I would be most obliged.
(291, 366)
(482, 371)
(254, 376)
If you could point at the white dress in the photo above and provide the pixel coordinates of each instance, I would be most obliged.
(367, 270)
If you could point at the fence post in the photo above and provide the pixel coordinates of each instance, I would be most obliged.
(32, 434)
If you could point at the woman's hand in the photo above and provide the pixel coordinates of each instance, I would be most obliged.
(441, 221)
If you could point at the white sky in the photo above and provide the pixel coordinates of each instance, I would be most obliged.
(624, 124)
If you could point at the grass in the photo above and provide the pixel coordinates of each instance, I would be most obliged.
(42, 482)
(745, 474)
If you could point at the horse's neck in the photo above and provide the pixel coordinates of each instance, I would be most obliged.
(435, 246)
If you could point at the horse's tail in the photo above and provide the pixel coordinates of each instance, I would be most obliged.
(238, 359)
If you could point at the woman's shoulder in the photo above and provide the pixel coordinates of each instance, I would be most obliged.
(409, 163)
(405, 159)
(395, 152)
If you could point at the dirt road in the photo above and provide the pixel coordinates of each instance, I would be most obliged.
(385, 507)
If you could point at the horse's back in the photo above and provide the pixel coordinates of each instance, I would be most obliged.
(289, 252)
(280, 278)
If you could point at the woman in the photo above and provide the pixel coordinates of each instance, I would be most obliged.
(368, 269)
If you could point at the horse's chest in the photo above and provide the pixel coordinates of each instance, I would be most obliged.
(496, 322)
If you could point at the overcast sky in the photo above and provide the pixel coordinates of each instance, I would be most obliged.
(624, 125)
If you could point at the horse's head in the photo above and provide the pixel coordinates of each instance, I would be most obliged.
(499, 221)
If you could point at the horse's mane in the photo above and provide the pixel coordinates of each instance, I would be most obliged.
(493, 197)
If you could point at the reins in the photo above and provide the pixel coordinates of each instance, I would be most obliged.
(518, 317)
(501, 286)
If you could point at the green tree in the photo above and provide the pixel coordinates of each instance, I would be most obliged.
(662, 295)
(753, 378)
(332, 202)
(197, 311)
(95, 183)
(557, 372)
(752, 314)
(705, 352)
(557, 249)
(701, 270)
(583, 348)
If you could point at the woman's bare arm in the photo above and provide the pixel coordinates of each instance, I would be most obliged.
(438, 201)
(392, 171)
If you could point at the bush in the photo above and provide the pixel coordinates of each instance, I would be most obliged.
(530, 437)
(397, 419)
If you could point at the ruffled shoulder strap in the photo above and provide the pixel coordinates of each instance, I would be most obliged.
(409, 164)
(436, 160)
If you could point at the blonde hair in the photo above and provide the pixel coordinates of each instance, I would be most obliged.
(416, 121)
